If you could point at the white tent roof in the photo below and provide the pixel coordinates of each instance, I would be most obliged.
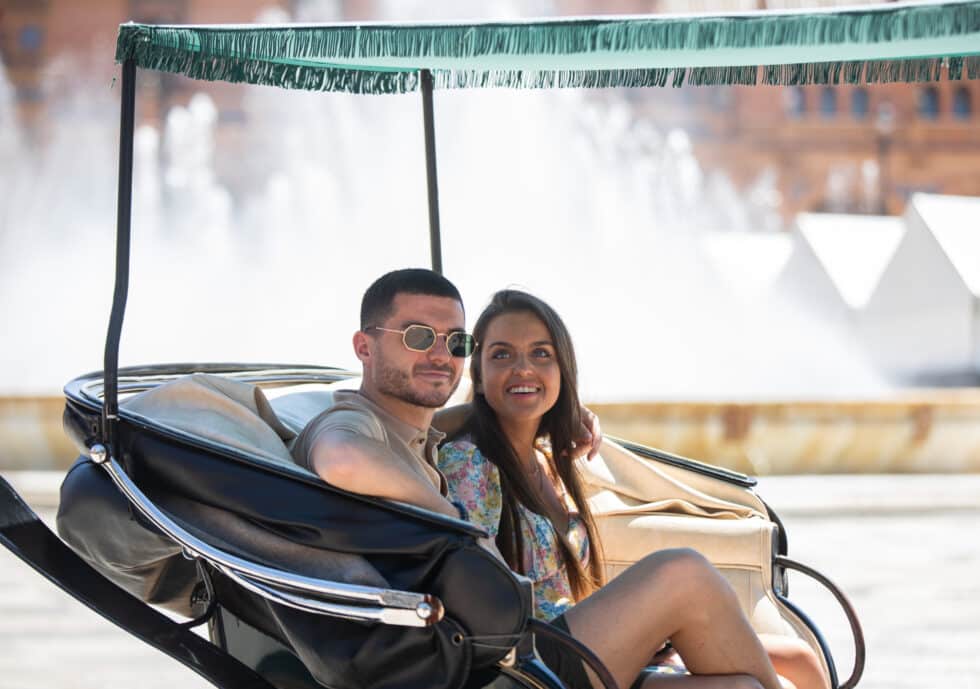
(748, 262)
(955, 223)
(853, 249)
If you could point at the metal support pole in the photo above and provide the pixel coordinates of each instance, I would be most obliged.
(435, 241)
(127, 116)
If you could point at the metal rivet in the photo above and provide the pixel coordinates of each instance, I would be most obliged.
(423, 610)
(457, 639)
(98, 453)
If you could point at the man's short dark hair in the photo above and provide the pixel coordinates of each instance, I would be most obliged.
(379, 299)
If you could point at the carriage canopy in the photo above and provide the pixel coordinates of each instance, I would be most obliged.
(907, 42)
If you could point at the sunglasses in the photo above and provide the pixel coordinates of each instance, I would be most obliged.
(422, 338)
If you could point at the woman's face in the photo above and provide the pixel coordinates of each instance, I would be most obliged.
(521, 377)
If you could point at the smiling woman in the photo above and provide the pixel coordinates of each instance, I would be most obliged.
(525, 392)
(512, 469)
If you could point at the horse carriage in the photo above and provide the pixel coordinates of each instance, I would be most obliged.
(184, 496)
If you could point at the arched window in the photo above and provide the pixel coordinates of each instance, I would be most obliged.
(859, 103)
(794, 101)
(30, 38)
(962, 107)
(929, 103)
(828, 102)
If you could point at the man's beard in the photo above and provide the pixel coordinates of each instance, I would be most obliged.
(398, 384)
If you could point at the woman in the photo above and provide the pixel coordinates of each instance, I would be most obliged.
(511, 467)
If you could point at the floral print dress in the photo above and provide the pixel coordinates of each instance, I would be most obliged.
(474, 482)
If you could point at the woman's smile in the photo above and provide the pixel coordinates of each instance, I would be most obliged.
(523, 389)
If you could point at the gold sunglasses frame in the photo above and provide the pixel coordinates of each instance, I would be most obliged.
(435, 338)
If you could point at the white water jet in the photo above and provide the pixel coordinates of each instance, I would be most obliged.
(11, 152)
(560, 192)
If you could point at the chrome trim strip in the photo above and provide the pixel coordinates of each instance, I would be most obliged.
(396, 607)
(395, 616)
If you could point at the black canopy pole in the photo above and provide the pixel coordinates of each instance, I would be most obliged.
(127, 115)
(435, 241)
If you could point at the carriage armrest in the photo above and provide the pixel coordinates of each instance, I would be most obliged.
(338, 599)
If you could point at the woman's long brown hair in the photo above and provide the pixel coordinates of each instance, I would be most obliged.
(559, 425)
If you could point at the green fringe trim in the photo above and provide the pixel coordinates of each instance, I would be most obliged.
(190, 54)
(310, 57)
(973, 67)
(638, 78)
(835, 73)
(871, 72)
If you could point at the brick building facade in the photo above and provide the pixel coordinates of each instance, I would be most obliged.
(849, 149)
(845, 148)
(45, 42)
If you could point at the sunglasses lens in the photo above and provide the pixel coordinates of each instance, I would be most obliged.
(460, 344)
(419, 338)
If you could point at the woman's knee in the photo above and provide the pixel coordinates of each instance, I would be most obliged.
(684, 575)
(683, 566)
(688, 557)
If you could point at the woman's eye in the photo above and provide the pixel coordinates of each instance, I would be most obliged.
(541, 353)
(500, 354)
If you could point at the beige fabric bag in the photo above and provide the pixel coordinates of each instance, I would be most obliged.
(642, 506)
(219, 409)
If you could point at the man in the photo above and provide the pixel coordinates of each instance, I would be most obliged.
(378, 440)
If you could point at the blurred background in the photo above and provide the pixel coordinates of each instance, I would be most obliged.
(777, 279)
(781, 280)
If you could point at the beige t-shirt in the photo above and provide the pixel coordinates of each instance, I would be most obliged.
(355, 413)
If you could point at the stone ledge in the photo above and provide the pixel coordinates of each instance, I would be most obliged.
(824, 495)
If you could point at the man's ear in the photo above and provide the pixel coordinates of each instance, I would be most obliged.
(362, 346)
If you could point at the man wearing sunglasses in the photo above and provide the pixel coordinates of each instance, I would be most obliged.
(378, 440)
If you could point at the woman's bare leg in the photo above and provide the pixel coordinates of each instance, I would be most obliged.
(677, 595)
(795, 663)
(655, 681)
(795, 660)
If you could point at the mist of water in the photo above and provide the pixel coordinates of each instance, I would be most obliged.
(568, 195)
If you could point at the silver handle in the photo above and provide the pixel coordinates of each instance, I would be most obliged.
(849, 613)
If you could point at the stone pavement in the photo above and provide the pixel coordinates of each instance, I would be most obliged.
(905, 549)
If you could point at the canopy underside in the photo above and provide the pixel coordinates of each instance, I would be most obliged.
(881, 43)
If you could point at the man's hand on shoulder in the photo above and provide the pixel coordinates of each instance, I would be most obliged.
(589, 436)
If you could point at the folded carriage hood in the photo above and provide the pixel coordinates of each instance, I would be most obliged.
(284, 517)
